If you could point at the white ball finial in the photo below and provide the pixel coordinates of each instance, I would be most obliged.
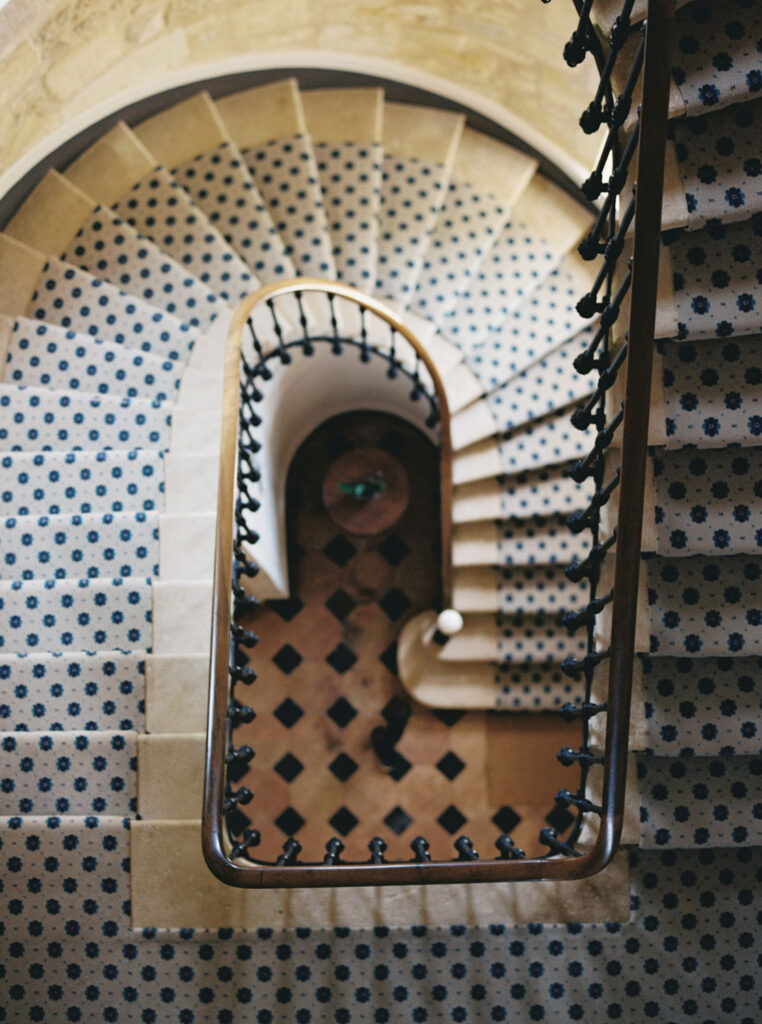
(449, 622)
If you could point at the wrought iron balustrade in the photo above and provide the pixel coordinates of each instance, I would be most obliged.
(255, 352)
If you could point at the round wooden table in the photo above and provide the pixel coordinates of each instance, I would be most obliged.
(381, 485)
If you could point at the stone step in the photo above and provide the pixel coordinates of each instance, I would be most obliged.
(542, 492)
(699, 802)
(120, 544)
(72, 691)
(702, 707)
(488, 180)
(545, 443)
(45, 288)
(69, 773)
(34, 419)
(520, 639)
(36, 354)
(269, 127)
(83, 482)
(60, 220)
(120, 173)
(516, 590)
(536, 540)
(420, 146)
(53, 616)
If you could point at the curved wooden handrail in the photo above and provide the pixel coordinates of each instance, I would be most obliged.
(661, 15)
(221, 598)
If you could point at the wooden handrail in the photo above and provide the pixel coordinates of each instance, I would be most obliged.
(634, 448)
(654, 115)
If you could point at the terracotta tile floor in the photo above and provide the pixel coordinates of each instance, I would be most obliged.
(327, 672)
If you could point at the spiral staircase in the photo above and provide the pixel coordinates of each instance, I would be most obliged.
(118, 277)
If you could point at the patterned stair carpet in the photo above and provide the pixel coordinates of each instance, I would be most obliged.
(111, 338)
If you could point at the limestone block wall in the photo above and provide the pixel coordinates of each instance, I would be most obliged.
(64, 63)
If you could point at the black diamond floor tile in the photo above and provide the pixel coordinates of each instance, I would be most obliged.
(398, 820)
(397, 714)
(388, 658)
(338, 443)
(560, 818)
(288, 713)
(339, 550)
(392, 442)
(289, 767)
(343, 821)
(340, 604)
(237, 821)
(400, 767)
(450, 765)
(341, 658)
(506, 819)
(342, 712)
(237, 770)
(449, 717)
(290, 821)
(394, 603)
(394, 549)
(343, 767)
(451, 819)
(287, 608)
(287, 659)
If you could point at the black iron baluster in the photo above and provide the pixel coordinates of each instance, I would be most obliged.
(568, 757)
(307, 346)
(573, 620)
(249, 837)
(285, 358)
(393, 368)
(576, 571)
(585, 711)
(333, 850)
(575, 667)
(508, 849)
(578, 45)
(377, 847)
(239, 796)
(549, 837)
(420, 847)
(336, 347)
(364, 347)
(465, 849)
(579, 521)
(238, 713)
(240, 756)
(261, 367)
(568, 799)
(291, 850)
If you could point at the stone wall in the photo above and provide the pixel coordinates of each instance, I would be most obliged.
(65, 62)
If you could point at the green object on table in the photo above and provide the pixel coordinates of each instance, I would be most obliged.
(363, 488)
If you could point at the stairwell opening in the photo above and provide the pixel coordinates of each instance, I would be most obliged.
(341, 748)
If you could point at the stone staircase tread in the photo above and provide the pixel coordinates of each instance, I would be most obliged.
(75, 690)
(82, 482)
(69, 773)
(703, 802)
(50, 615)
(45, 355)
(57, 420)
(80, 546)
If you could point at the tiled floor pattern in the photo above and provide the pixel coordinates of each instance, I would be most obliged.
(327, 673)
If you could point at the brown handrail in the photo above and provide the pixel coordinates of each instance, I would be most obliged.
(654, 115)
(634, 448)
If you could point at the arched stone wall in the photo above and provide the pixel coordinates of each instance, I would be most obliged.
(65, 63)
